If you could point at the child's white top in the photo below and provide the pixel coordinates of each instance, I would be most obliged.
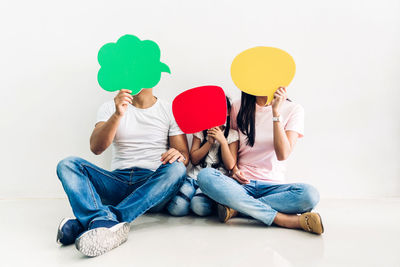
(212, 156)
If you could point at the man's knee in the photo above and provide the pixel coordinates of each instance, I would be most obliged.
(176, 172)
(67, 164)
(309, 197)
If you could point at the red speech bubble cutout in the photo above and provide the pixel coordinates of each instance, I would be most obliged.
(200, 108)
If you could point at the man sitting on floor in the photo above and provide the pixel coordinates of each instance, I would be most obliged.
(148, 162)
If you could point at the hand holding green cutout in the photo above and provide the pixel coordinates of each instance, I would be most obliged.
(130, 64)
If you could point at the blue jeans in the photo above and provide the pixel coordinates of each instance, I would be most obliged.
(190, 197)
(120, 195)
(258, 199)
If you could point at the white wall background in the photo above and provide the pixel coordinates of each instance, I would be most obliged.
(348, 63)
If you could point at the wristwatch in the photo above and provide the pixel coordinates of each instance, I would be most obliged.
(279, 118)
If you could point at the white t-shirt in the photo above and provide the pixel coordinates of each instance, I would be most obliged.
(212, 156)
(142, 135)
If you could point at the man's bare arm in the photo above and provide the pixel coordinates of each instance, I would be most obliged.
(104, 132)
(178, 150)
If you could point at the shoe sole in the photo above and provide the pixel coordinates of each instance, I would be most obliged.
(322, 225)
(100, 240)
(59, 230)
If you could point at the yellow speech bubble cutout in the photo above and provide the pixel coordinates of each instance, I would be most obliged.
(261, 70)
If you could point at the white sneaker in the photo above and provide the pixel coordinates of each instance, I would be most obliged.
(98, 241)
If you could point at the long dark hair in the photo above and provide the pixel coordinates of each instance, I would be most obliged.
(246, 117)
(226, 133)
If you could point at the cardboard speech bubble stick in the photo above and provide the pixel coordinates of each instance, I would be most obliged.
(200, 108)
(261, 70)
(130, 63)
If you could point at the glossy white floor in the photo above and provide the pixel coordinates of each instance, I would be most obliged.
(358, 233)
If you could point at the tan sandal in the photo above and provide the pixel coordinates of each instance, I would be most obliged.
(311, 222)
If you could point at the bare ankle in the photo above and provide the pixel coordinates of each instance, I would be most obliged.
(287, 220)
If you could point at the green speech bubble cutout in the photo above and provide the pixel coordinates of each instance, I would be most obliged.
(130, 64)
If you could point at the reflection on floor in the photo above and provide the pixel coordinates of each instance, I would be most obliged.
(358, 233)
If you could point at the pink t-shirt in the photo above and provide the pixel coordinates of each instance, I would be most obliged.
(259, 162)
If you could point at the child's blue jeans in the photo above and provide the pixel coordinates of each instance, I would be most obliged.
(190, 197)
